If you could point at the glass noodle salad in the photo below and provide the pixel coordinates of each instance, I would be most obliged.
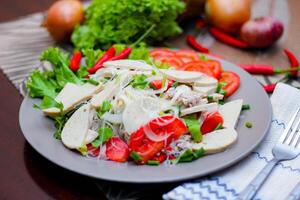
(133, 104)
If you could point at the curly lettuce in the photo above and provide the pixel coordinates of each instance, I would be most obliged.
(124, 21)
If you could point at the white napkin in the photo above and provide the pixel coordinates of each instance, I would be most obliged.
(227, 184)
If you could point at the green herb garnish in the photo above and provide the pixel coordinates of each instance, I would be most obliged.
(105, 107)
(189, 155)
(246, 107)
(139, 81)
(104, 134)
(153, 162)
(135, 156)
(220, 126)
(248, 125)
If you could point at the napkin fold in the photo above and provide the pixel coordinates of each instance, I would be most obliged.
(228, 183)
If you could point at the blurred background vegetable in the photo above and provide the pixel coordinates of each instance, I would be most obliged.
(262, 32)
(228, 15)
(62, 18)
(124, 21)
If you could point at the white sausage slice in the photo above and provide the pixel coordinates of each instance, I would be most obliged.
(182, 76)
(217, 141)
(230, 112)
(75, 130)
(128, 64)
(199, 108)
(109, 91)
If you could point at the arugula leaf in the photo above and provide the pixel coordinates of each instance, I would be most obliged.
(105, 107)
(49, 102)
(139, 81)
(194, 128)
(60, 62)
(189, 155)
(40, 85)
(104, 134)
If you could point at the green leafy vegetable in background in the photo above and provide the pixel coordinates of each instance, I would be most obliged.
(123, 21)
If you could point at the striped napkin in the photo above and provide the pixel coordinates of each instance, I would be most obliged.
(227, 184)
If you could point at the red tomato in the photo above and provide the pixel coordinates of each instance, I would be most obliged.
(157, 84)
(157, 53)
(232, 81)
(117, 150)
(92, 151)
(209, 67)
(187, 55)
(145, 147)
(161, 158)
(211, 121)
(173, 61)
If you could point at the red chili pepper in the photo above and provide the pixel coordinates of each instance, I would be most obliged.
(293, 61)
(227, 39)
(196, 45)
(200, 23)
(265, 69)
(124, 54)
(270, 87)
(75, 61)
(107, 55)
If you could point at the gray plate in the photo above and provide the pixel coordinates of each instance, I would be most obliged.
(38, 131)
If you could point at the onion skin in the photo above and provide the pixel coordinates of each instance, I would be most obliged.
(262, 32)
(62, 18)
(228, 15)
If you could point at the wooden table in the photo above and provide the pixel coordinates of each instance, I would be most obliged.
(24, 174)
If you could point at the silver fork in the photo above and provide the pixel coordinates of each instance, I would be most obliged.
(287, 148)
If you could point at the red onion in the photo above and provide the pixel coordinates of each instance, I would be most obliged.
(262, 32)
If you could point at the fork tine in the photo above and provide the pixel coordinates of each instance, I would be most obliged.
(295, 140)
(288, 127)
(292, 134)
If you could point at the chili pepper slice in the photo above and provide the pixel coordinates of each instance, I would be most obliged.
(293, 61)
(196, 45)
(107, 55)
(124, 54)
(270, 87)
(200, 23)
(227, 39)
(75, 61)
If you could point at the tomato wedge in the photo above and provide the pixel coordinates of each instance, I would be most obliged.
(211, 122)
(232, 81)
(117, 150)
(209, 67)
(146, 148)
(157, 84)
(187, 55)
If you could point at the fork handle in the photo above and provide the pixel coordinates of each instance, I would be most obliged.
(295, 194)
(249, 192)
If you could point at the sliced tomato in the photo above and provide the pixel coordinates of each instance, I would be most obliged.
(173, 61)
(147, 148)
(117, 150)
(92, 151)
(157, 53)
(161, 157)
(187, 55)
(209, 67)
(157, 84)
(211, 122)
(232, 81)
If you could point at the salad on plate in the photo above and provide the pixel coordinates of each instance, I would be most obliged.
(132, 104)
